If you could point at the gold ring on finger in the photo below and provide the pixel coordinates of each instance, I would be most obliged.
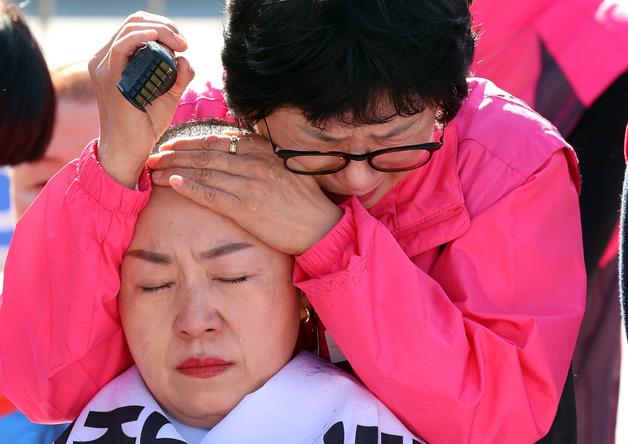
(233, 145)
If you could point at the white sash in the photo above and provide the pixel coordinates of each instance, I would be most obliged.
(307, 402)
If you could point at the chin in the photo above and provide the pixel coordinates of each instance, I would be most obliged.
(203, 410)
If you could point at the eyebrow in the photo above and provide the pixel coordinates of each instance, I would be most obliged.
(318, 134)
(150, 256)
(224, 250)
(164, 259)
(400, 129)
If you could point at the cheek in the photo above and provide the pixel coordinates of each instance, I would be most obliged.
(20, 204)
(145, 331)
(327, 182)
(21, 195)
(392, 179)
(270, 328)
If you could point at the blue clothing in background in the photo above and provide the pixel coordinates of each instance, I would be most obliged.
(15, 428)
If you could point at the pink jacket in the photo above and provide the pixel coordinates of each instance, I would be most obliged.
(457, 298)
(552, 52)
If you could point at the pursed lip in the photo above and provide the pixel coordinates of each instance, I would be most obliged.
(204, 367)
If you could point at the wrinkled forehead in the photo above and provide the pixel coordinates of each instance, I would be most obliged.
(169, 214)
(175, 225)
(76, 124)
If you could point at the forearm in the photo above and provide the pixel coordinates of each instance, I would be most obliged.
(487, 317)
(61, 337)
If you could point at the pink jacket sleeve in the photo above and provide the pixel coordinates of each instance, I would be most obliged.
(61, 336)
(478, 349)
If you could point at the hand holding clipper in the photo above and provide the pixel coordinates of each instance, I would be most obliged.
(137, 67)
(151, 72)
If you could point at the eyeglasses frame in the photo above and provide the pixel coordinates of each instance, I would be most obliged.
(430, 147)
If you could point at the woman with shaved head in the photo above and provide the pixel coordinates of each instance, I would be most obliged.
(433, 217)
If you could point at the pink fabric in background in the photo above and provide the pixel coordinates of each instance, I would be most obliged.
(588, 39)
(202, 103)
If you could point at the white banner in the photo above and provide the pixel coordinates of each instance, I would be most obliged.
(308, 402)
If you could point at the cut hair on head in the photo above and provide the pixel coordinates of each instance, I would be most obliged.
(27, 98)
(353, 61)
(195, 128)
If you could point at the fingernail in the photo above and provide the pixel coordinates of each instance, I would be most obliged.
(176, 181)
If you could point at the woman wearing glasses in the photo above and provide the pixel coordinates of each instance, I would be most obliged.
(434, 218)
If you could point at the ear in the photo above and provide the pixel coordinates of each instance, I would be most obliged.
(305, 304)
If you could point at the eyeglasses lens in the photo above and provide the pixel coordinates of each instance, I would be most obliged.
(401, 160)
(312, 164)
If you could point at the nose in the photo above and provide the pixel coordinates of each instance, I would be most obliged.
(198, 315)
(358, 177)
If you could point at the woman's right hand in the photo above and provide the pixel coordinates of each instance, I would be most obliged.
(126, 133)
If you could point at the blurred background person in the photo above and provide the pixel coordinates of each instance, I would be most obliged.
(57, 23)
(27, 98)
(76, 123)
(27, 113)
(569, 60)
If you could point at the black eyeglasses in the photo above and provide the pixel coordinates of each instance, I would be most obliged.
(388, 160)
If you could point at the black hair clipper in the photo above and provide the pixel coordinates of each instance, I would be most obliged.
(150, 73)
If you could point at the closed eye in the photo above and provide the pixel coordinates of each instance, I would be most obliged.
(156, 289)
(399, 140)
(237, 280)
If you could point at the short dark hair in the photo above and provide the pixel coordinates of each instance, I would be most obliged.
(194, 128)
(342, 59)
(27, 98)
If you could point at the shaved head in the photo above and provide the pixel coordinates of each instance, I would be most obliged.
(195, 128)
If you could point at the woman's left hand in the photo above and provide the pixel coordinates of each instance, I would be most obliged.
(286, 211)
